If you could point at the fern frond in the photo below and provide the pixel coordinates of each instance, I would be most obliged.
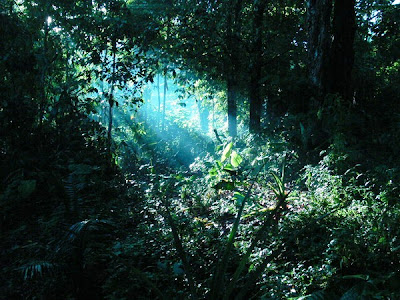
(78, 230)
(37, 269)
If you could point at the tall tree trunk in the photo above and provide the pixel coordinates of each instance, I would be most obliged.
(232, 68)
(111, 98)
(103, 94)
(164, 100)
(342, 52)
(159, 101)
(165, 80)
(232, 107)
(319, 40)
(330, 46)
(255, 72)
(43, 75)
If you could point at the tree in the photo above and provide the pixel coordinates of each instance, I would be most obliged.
(319, 39)
(256, 67)
(330, 45)
(233, 63)
(342, 51)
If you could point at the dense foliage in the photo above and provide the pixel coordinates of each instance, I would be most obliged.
(199, 149)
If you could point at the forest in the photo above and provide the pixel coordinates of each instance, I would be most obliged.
(200, 149)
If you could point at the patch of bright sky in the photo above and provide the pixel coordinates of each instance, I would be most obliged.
(396, 2)
(49, 21)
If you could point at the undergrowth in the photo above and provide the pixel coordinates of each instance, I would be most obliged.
(244, 221)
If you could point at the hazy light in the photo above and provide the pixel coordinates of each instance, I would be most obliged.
(49, 20)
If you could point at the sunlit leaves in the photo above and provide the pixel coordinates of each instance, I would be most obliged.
(225, 171)
(236, 159)
(227, 152)
(213, 172)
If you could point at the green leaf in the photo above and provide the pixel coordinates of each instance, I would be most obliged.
(227, 152)
(229, 167)
(302, 130)
(26, 188)
(382, 240)
(177, 269)
(230, 170)
(357, 276)
(239, 198)
(213, 172)
(236, 159)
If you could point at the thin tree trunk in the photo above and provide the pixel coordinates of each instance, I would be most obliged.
(159, 101)
(164, 100)
(232, 108)
(111, 98)
(43, 73)
(103, 107)
(255, 73)
(232, 28)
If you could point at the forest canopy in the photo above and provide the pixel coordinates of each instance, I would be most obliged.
(200, 149)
